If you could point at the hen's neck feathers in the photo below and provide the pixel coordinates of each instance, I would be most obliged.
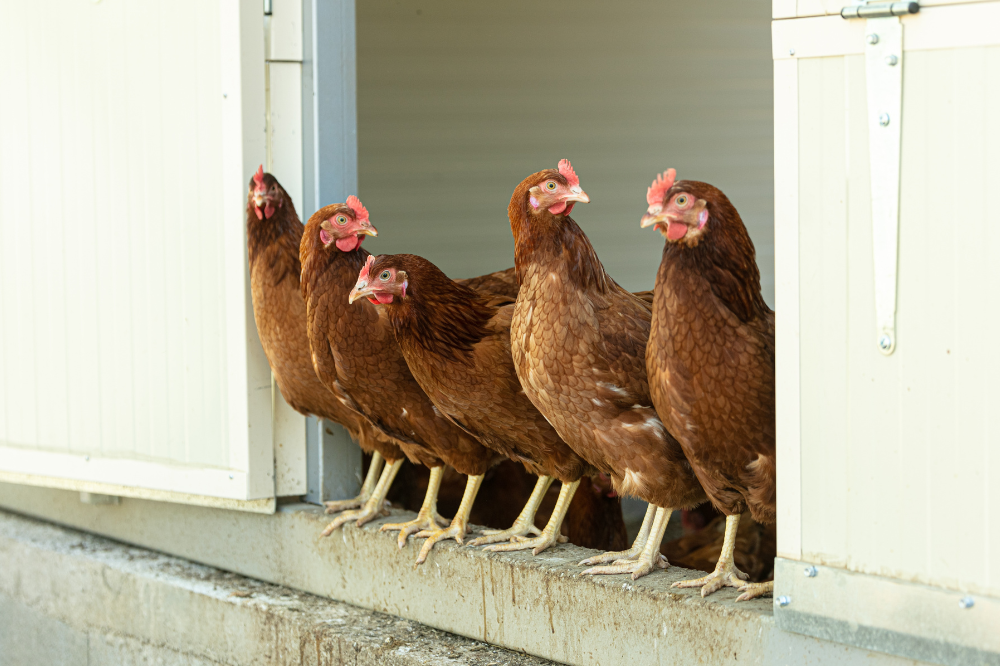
(545, 237)
(439, 315)
(275, 239)
(724, 257)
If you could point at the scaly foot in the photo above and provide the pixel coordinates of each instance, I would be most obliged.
(344, 505)
(637, 546)
(518, 529)
(367, 488)
(425, 521)
(369, 512)
(537, 544)
(457, 531)
(725, 575)
(638, 567)
(754, 590)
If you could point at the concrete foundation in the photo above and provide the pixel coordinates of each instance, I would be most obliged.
(540, 605)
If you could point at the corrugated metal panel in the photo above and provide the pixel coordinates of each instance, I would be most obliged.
(121, 190)
(458, 101)
(899, 452)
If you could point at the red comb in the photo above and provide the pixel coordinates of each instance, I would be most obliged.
(368, 264)
(566, 169)
(259, 176)
(657, 192)
(355, 204)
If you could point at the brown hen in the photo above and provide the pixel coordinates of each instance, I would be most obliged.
(355, 352)
(711, 359)
(273, 234)
(579, 345)
(457, 344)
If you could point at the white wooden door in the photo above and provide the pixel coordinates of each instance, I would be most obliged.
(129, 362)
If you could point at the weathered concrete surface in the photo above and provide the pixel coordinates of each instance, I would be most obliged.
(71, 599)
(537, 604)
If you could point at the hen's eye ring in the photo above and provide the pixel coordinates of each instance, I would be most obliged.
(682, 200)
(341, 220)
(384, 276)
(550, 186)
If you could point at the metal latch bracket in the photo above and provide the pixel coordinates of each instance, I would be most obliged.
(884, 78)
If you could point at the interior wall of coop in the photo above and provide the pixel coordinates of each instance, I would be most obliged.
(458, 101)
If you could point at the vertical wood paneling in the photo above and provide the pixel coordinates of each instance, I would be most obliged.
(899, 454)
(118, 235)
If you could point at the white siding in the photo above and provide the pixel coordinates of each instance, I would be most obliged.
(458, 101)
(899, 454)
(125, 333)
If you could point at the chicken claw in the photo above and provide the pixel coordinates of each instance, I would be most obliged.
(726, 574)
(459, 524)
(525, 523)
(367, 488)
(374, 507)
(550, 536)
(754, 590)
(428, 518)
(649, 560)
(631, 553)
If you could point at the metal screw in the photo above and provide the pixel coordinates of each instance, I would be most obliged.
(230, 476)
(966, 602)
(891, 60)
(883, 120)
(872, 38)
(86, 458)
(783, 600)
(811, 571)
(224, 95)
(791, 51)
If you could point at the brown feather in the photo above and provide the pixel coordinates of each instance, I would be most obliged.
(711, 359)
(280, 314)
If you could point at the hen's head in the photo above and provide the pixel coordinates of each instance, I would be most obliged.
(382, 280)
(555, 191)
(266, 196)
(685, 211)
(344, 225)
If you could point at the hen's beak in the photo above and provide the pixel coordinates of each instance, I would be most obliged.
(576, 194)
(367, 229)
(649, 219)
(361, 290)
(258, 200)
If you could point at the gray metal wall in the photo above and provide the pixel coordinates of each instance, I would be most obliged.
(459, 101)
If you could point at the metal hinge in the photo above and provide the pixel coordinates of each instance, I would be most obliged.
(884, 77)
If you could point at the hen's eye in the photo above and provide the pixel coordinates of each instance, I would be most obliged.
(341, 220)
(550, 186)
(384, 276)
(682, 200)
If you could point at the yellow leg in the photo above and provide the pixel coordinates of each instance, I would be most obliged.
(373, 507)
(367, 488)
(459, 524)
(754, 590)
(525, 523)
(550, 535)
(649, 559)
(637, 545)
(726, 573)
(427, 518)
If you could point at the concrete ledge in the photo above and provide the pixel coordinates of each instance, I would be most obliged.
(537, 604)
(69, 598)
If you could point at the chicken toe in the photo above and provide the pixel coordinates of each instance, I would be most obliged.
(375, 505)
(525, 523)
(551, 534)
(649, 560)
(427, 518)
(726, 574)
(631, 553)
(754, 590)
(459, 524)
(367, 488)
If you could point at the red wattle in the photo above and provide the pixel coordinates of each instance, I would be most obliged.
(268, 211)
(558, 208)
(347, 244)
(676, 230)
(383, 297)
(260, 213)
